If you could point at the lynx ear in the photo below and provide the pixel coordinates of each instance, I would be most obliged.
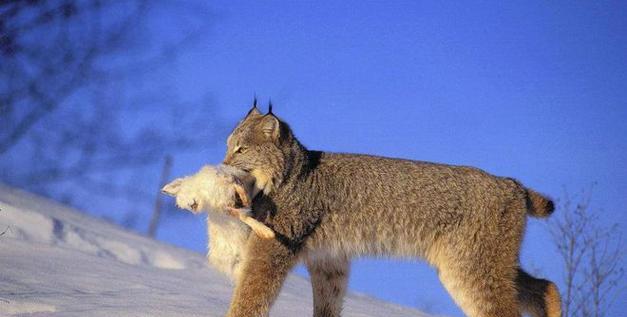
(173, 187)
(270, 127)
(253, 111)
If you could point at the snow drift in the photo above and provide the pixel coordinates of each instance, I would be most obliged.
(55, 261)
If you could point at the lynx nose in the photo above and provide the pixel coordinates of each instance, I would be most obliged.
(193, 205)
(227, 159)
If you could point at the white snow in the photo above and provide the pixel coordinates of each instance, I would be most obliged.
(55, 261)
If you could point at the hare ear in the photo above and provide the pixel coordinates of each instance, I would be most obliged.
(270, 127)
(173, 187)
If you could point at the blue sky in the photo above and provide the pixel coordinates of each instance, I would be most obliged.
(528, 89)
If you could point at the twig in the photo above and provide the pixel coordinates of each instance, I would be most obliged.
(156, 214)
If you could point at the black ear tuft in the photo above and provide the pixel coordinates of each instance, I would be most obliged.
(270, 108)
(253, 110)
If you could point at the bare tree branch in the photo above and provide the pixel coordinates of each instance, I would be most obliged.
(68, 114)
(592, 257)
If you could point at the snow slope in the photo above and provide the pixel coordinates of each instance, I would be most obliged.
(55, 261)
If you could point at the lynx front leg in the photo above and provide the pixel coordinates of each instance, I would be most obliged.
(329, 277)
(263, 273)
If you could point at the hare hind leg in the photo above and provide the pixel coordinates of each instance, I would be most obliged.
(258, 227)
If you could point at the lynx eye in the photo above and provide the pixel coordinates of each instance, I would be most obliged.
(241, 149)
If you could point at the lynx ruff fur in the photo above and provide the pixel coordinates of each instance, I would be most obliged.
(217, 189)
(326, 208)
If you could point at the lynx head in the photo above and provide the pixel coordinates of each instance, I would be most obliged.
(264, 146)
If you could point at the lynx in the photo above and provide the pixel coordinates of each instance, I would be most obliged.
(326, 208)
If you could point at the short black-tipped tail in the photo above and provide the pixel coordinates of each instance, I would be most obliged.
(538, 205)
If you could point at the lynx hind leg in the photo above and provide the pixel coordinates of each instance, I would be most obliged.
(481, 291)
(329, 279)
(538, 297)
(480, 273)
